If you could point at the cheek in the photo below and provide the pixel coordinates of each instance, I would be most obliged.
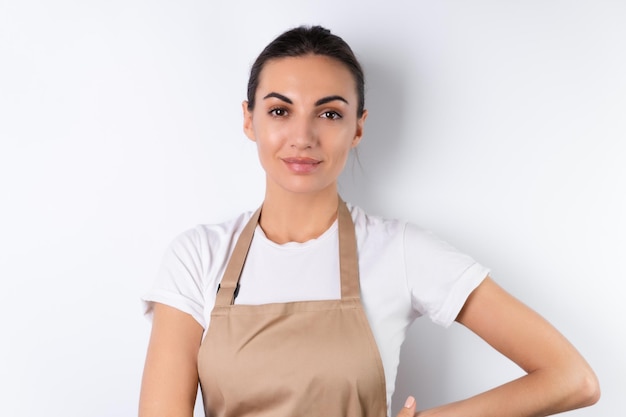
(269, 135)
(342, 141)
(339, 155)
(263, 149)
(269, 142)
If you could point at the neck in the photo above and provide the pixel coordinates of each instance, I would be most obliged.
(291, 217)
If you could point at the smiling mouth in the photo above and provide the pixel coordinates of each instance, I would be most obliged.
(301, 165)
(297, 160)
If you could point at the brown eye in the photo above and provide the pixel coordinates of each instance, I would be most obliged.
(331, 114)
(278, 112)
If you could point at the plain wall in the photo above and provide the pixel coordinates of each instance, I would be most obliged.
(497, 125)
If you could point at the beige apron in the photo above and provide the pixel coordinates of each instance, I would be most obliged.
(309, 358)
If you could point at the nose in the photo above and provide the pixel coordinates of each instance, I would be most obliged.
(303, 134)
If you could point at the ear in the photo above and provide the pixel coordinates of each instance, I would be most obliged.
(247, 121)
(360, 123)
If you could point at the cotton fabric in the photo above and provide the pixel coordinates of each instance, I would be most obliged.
(405, 272)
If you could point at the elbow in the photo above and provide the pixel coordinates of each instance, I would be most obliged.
(590, 389)
(586, 389)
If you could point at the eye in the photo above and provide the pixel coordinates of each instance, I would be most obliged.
(330, 114)
(278, 112)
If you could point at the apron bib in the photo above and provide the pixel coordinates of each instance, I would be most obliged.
(308, 358)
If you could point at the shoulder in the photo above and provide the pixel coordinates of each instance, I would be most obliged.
(369, 226)
(207, 236)
(202, 247)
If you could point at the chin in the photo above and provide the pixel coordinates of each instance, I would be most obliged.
(305, 187)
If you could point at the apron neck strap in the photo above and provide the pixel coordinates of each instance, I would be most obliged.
(348, 260)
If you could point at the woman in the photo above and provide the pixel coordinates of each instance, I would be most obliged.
(301, 307)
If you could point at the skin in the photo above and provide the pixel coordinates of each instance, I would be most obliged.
(304, 124)
(305, 108)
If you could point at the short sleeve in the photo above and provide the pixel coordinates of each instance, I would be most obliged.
(440, 278)
(179, 280)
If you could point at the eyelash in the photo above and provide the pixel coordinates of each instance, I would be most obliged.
(282, 112)
(273, 112)
(334, 115)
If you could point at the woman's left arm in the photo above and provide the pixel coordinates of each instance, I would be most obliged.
(558, 377)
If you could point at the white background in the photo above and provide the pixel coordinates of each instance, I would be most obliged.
(497, 124)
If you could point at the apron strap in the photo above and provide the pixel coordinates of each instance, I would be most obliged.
(229, 285)
(348, 259)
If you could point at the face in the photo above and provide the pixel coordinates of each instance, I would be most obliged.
(304, 122)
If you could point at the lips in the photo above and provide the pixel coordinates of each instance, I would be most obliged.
(301, 165)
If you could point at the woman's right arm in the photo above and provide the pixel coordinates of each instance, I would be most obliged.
(170, 377)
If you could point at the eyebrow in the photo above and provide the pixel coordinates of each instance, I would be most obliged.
(319, 102)
(328, 99)
(278, 96)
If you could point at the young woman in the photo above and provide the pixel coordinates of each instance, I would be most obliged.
(301, 307)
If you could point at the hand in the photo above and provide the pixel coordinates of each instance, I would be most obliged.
(409, 408)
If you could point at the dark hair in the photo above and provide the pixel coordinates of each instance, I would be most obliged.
(305, 40)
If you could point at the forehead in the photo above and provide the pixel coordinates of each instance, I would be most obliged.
(317, 74)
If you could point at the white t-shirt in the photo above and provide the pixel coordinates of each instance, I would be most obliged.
(405, 272)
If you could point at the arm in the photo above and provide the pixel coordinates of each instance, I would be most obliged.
(170, 376)
(558, 378)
